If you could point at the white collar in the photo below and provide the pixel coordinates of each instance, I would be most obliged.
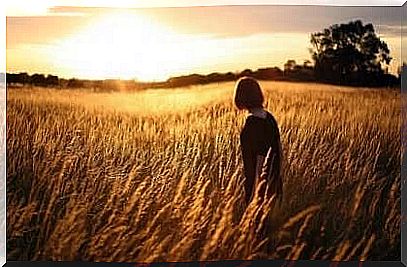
(258, 112)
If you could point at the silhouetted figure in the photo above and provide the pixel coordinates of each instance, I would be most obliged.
(260, 140)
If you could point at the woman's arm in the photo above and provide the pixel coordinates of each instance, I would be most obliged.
(259, 166)
(249, 167)
(251, 163)
(271, 170)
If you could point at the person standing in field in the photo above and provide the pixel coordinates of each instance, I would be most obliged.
(260, 141)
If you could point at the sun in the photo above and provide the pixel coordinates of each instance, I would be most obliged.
(127, 45)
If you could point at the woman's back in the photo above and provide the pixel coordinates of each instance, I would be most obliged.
(260, 137)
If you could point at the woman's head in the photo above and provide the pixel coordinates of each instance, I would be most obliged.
(248, 94)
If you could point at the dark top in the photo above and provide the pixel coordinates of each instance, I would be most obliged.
(261, 137)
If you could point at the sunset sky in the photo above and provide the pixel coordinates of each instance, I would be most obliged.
(157, 43)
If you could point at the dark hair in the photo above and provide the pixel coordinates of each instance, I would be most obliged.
(248, 94)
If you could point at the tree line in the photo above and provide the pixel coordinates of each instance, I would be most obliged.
(343, 54)
(291, 72)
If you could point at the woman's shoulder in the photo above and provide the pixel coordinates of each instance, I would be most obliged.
(252, 124)
(252, 120)
(272, 122)
(271, 117)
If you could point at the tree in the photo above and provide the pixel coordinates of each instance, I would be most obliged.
(38, 79)
(289, 65)
(52, 80)
(307, 64)
(246, 72)
(20, 78)
(75, 83)
(349, 53)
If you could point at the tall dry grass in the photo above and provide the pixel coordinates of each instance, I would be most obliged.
(103, 182)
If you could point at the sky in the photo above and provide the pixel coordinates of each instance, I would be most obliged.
(158, 43)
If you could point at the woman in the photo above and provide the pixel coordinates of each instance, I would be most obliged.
(259, 139)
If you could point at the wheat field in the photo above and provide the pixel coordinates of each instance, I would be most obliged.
(156, 175)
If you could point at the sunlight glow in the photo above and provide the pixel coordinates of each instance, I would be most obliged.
(128, 45)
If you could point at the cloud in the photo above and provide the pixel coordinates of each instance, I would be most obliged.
(392, 30)
(215, 21)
